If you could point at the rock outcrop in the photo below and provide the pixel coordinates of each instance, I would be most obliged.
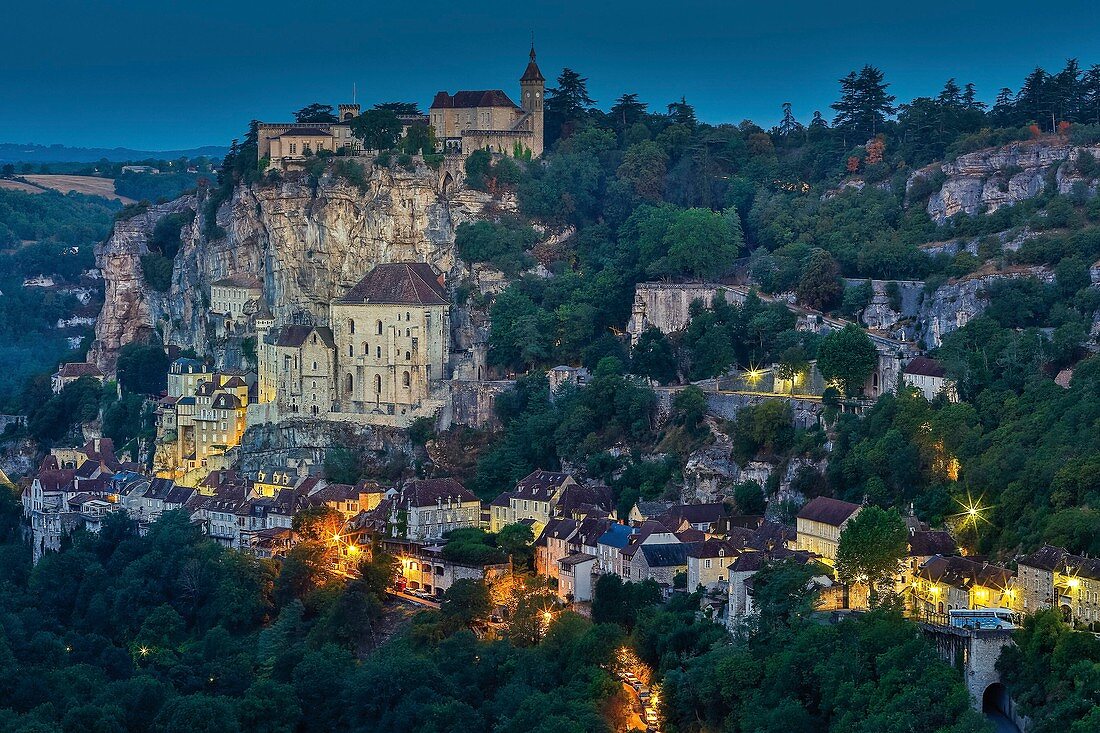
(306, 240)
(987, 180)
(952, 305)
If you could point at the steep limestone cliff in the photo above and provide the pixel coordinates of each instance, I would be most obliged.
(955, 303)
(989, 179)
(307, 241)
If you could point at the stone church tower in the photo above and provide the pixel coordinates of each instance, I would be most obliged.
(531, 87)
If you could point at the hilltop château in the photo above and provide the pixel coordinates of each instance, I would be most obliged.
(383, 359)
(465, 121)
(488, 120)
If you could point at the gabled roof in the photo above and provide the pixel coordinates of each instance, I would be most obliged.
(577, 558)
(923, 366)
(540, 485)
(925, 543)
(504, 500)
(711, 548)
(828, 511)
(472, 98)
(691, 535)
(961, 572)
(574, 497)
(398, 283)
(617, 535)
(432, 491)
(665, 556)
(696, 513)
(75, 370)
(297, 335)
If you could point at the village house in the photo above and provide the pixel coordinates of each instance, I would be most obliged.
(742, 571)
(488, 120)
(232, 302)
(424, 567)
(552, 545)
(428, 508)
(818, 526)
(1052, 577)
(203, 416)
(71, 371)
(575, 572)
(930, 378)
(535, 497)
(708, 562)
(945, 584)
(660, 563)
(609, 557)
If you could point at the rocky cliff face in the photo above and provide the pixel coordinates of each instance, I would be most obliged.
(955, 303)
(987, 180)
(308, 242)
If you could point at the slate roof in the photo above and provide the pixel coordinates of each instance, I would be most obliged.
(55, 480)
(179, 495)
(665, 556)
(297, 335)
(961, 572)
(532, 72)
(590, 530)
(75, 370)
(240, 281)
(695, 513)
(540, 485)
(398, 283)
(925, 543)
(691, 535)
(1051, 559)
(431, 491)
(504, 500)
(617, 535)
(575, 559)
(925, 367)
(711, 548)
(1047, 557)
(226, 401)
(472, 98)
(334, 492)
(582, 499)
(827, 511)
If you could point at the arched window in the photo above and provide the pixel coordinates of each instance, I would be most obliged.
(408, 317)
(408, 356)
(349, 383)
(378, 352)
(380, 328)
(351, 350)
(405, 379)
(351, 326)
(378, 383)
(314, 366)
(366, 349)
(408, 332)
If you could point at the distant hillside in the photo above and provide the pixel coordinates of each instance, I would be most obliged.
(31, 153)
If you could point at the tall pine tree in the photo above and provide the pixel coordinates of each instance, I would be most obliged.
(864, 103)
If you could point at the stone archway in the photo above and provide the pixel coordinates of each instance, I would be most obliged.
(995, 699)
(447, 184)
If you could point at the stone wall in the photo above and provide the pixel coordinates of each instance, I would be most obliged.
(298, 440)
(473, 404)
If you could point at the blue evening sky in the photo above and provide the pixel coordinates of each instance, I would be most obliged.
(161, 74)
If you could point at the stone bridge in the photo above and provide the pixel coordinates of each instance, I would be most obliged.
(975, 652)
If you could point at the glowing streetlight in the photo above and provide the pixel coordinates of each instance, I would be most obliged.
(143, 651)
(973, 511)
(353, 550)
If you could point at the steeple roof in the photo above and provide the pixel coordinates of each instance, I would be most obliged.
(532, 73)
